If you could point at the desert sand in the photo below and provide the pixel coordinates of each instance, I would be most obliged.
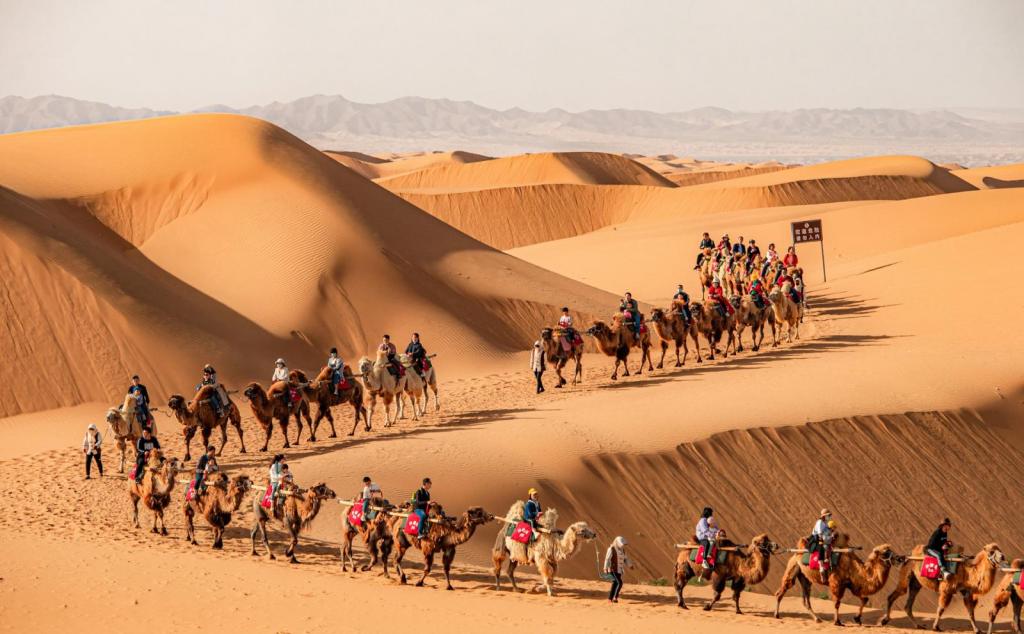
(160, 245)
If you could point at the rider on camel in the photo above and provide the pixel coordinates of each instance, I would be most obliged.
(141, 401)
(391, 353)
(790, 261)
(705, 243)
(684, 302)
(630, 305)
(417, 353)
(756, 290)
(335, 363)
(216, 399)
(565, 325)
(717, 293)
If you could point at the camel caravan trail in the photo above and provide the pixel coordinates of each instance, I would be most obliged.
(722, 373)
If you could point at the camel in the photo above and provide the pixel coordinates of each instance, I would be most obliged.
(748, 314)
(713, 325)
(321, 390)
(126, 426)
(739, 568)
(973, 578)
(786, 311)
(155, 489)
(443, 535)
(414, 387)
(296, 513)
(376, 536)
(861, 578)
(379, 382)
(429, 376)
(556, 354)
(199, 414)
(1009, 591)
(216, 504)
(270, 406)
(706, 272)
(617, 339)
(670, 326)
(545, 551)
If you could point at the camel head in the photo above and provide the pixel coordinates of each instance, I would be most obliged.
(734, 300)
(547, 334)
(582, 529)
(476, 515)
(253, 391)
(321, 492)
(176, 403)
(599, 329)
(995, 555)
(887, 555)
(241, 483)
(765, 545)
(657, 315)
(365, 365)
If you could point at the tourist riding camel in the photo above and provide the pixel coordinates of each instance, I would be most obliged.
(206, 465)
(380, 383)
(704, 250)
(443, 534)
(735, 567)
(219, 397)
(754, 311)
(562, 345)
(848, 573)
(972, 579)
(415, 389)
(296, 513)
(1010, 590)
(270, 405)
(391, 353)
(141, 401)
(630, 310)
(153, 488)
(785, 310)
(707, 532)
(328, 394)
(216, 504)
(821, 541)
(616, 341)
(713, 323)
(143, 446)
(672, 325)
(417, 354)
(368, 517)
(790, 260)
(201, 415)
(126, 427)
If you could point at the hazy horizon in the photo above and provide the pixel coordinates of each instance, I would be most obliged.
(660, 56)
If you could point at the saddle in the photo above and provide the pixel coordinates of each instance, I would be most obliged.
(697, 556)
(930, 568)
(812, 559)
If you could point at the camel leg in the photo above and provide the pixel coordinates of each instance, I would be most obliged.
(302, 411)
(710, 336)
(291, 547)
(512, 565)
(428, 563)
(236, 420)
(738, 585)
(315, 425)
(188, 433)
(135, 512)
(190, 529)
(913, 587)
(447, 557)
(696, 348)
(838, 597)
(437, 403)
(205, 432)
(739, 339)
(664, 349)
(283, 424)
(400, 407)
(547, 574)
(971, 603)
(355, 423)
(121, 446)
(398, 561)
(717, 585)
(683, 575)
(1017, 601)
(901, 588)
(261, 527)
(577, 373)
(345, 551)
(330, 421)
(805, 594)
(223, 436)
(218, 538)
(155, 530)
(945, 597)
(268, 431)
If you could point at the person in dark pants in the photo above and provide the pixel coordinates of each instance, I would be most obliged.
(538, 364)
(142, 401)
(615, 563)
(143, 446)
(206, 465)
(91, 446)
(421, 503)
(938, 545)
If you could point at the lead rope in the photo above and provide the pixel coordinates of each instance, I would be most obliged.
(600, 569)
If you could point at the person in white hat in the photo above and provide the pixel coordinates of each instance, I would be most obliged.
(280, 371)
(615, 563)
(91, 447)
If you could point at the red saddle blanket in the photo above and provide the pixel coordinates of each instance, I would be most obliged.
(268, 497)
(522, 533)
(131, 475)
(355, 514)
(412, 525)
(191, 493)
(815, 562)
(930, 568)
(699, 557)
(344, 384)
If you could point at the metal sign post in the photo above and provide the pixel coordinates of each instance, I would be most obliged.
(810, 231)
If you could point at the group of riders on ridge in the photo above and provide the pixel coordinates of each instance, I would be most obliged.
(762, 271)
(207, 463)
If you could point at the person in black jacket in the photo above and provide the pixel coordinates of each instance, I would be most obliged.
(143, 446)
(938, 545)
(420, 504)
(705, 243)
(206, 465)
(417, 353)
(142, 401)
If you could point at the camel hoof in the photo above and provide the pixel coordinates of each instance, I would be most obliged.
(682, 606)
(558, 387)
(679, 365)
(242, 450)
(163, 531)
(287, 446)
(449, 588)
(272, 557)
(707, 607)
(352, 433)
(293, 560)
(333, 435)
(312, 439)
(263, 449)
(839, 623)
(419, 584)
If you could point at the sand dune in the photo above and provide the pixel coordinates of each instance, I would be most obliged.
(994, 176)
(590, 168)
(377, 167)
(299, 253)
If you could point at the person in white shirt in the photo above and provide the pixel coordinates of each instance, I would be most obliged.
(91, 447)
(615, 563)
(568, 332)
(821, 540)
(538, 364)
(275, 477)
(707, 533)
(335, 363)
(280, 371)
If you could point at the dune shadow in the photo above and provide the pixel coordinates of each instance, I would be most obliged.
(998, 183)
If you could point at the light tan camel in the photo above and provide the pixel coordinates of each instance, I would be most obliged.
(861, 578)
(268, 406)
(216, 505)
(429, 375)
(444, 536)
(321, 390)
(380, 383)
(556, 354)
(545, 552)
(786, 311)
(126, 427)
(200, 415)
(671, 326)
(713, 324)
(617, 339)
(1009, 591)
(413, 387)
(972, 580)
(740, 568)
(296, 514)
(749, 315)
(376, 536)
(155, 489)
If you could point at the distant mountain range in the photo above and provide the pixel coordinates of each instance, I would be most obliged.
(413, 123)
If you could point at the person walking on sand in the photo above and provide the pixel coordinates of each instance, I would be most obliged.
(91, 446)
(538, 364)
(615, 563)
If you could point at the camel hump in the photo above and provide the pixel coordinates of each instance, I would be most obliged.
(516, 511)
(205, 392)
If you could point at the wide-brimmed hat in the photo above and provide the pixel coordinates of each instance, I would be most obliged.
(825, 513)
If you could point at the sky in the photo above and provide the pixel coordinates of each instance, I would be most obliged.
(659, 55)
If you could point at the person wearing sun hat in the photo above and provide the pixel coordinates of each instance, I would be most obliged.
(821, 540)
(532, 509)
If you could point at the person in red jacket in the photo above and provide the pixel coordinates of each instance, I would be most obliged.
(790, 261)
(717, 293)
(793, 293)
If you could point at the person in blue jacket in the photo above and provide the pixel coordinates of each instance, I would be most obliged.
(532, 509)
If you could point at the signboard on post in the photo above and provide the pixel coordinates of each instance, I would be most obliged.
(810, 231)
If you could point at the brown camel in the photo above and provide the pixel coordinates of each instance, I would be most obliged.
(126, 427)
(199, 414)
(786, 311)
(444, 535)
(375, 533)
(155, 489)
(671, 326)
(1010, 590)
(545, 551)
(861, 578)
(749, 315)
(558, 357)
(321, 391)
(742, 569)
(296, 513)
(380, 383)
(616, 341)
(273, 405)
(972, 579)
(216, 504)
(713, 324)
